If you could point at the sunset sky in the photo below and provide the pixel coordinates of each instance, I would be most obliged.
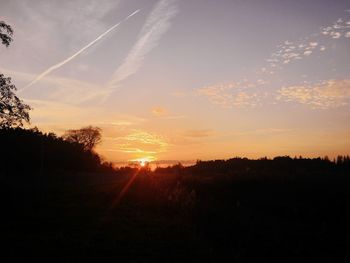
(186, 79)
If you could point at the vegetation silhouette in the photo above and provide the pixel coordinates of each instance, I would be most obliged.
(88, 137)
(71, 205)
(6, 33)
(31, 151)
(13, 111)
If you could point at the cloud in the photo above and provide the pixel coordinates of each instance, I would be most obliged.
(65, 61)
(51, 112)
(199, 133)
(235, 94)
(163, 114)
(137, 143)
(57, 117)
(46, 31)
(62, 90)
(156, 25)
(146, 138)
(336, 35)
(289, 51)
(68, 17)
(159, 111)
(122, 123)
(337, 30)
(327, 94)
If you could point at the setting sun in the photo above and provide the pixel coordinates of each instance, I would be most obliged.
(144, 160)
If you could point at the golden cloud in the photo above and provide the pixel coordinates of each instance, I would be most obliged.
(159, 111)
(324, 95)
(139, 143)
(199, 133)
(235, 94)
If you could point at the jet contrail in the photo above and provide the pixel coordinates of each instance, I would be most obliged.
(60, 64)
(157, 23)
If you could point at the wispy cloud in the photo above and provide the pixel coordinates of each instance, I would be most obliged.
(60, 64)
(159, 111)
(156, 25)
(137, 143)
(162, 113)
(62, 90)
(324, 95)
(45, 111)
(61, 116)
(199, 133)
(259, 132)
(146, 138)
(55, 27)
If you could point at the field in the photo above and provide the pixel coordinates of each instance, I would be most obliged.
(178, 214)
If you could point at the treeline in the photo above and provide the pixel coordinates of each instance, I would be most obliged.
(281, 165)
(32, 151)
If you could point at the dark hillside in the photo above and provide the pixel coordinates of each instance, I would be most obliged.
(60, 203)
(31, 151)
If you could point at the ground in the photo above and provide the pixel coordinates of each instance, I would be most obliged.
(173, 217)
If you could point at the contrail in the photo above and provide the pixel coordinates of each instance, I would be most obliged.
(158, 22)
(60, 64)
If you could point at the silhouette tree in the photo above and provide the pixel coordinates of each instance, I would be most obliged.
(12, 110)
(6, 33)
(88, 137)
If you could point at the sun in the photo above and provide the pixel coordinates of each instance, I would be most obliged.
(143, 163)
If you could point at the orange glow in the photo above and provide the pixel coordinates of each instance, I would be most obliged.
(144, 160)
(142, 163)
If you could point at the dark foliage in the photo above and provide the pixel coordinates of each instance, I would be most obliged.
(290, 210)
(88, 137)
(283, 166)
(6, 33)
(238, 210)
(32, 151)
(12, 110)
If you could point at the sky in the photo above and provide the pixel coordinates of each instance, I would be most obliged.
(186, 80)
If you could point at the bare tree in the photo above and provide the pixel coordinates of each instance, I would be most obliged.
(12, 110)
(88, 137)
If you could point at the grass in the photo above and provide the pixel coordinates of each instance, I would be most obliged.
(177, 215)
